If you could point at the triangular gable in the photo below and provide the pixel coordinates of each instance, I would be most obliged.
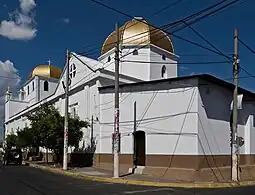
(81, 70)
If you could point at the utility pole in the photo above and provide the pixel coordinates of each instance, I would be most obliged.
(68, 56)
(116, 134)
(134, 137)
(92, 133)
(235, 160)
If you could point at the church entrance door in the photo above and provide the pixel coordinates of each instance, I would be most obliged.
(139, 148)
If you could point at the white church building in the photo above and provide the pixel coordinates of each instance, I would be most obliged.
(182, 123)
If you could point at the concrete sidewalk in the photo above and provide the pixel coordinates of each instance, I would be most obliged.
(94, 174)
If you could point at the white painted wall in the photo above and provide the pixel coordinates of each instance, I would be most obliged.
(30, 92)
(52, 83)
(214, 127)
(170, 62)
(170, 108)
(16, 125)
(135, 69)
(144, 71)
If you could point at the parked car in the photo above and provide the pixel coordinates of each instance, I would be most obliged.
(13, 156)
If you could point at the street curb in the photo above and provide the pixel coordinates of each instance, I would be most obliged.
(144, 183)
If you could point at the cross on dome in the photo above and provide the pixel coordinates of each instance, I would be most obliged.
(49, 62)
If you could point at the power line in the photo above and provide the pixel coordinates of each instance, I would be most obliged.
(5, 77)
(245, 45)
(167, 7)
(165, 26)
(202, 11)
(215, 5)
(252, 51)
(230, 60)
(212, 12)
(208, 42)
(208, 62)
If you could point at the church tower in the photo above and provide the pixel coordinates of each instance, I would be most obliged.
(8, 94)
(41, 83)
(147, 53)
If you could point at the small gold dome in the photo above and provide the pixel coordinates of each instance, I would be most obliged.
(136, 32)
(46, 71)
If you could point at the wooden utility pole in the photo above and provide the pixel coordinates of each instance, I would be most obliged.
(134, 137)
(116, 134)
(235, 147)
(68, 56)
(92, 132)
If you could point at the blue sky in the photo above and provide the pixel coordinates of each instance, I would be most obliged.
(81, 24)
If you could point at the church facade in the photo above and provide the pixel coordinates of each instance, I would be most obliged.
(182, 123)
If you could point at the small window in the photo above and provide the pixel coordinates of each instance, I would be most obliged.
(109, 59)
(28, 90)
(22, 96)
(33, 86)
(163, 72)
(135, 52)
(46, 86)
(74, 112)
(72, 71)
(163, 57)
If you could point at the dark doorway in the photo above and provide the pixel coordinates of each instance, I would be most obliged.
(139, 148)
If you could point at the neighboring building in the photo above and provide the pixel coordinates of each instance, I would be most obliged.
(182, 122)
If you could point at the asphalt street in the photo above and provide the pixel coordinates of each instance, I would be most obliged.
(24, 180)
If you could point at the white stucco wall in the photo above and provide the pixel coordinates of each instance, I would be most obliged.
(171, 117)
(206, 130)
(30, 92)
(214, 127)
(12, 107)
(52, 87)
(136, 66)
(170, 62)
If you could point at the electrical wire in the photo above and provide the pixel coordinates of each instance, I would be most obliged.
(174, 63)
(225, 6)
(167, 7)
(169, 24)
(245, 45)
(211, 13)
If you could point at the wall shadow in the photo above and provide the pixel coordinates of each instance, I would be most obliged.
(216, 102)
(83, 157)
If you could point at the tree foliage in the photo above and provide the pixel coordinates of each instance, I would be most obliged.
(25, 138)
(47, 130)
(10, 141)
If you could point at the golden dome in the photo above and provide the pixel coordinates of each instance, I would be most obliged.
(46, 71)
(136, 32)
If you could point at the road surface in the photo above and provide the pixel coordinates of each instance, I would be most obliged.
(24, 180)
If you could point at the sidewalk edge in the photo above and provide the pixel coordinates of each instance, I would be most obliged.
(144, 183)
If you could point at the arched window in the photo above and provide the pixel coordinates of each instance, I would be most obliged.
(46, 86)
(109, 58)
(33, 86)
(163, 57)
(72, 71)
(163, 72)
(135, 52)
(22, 95)
(28, 90)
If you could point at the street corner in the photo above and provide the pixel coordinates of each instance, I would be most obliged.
(142, 182)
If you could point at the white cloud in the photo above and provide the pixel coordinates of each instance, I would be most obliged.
(63, 20)
(9, 77)
(21, 25)
(183, 68)
(27, 5)
(66, 20)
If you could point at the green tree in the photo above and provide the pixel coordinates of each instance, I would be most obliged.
(25, 138)
(11, 141)
(48, 129)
